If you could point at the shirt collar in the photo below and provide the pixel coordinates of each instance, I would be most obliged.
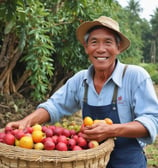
(116, 75)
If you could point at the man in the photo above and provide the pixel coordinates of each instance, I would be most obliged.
(107, 88)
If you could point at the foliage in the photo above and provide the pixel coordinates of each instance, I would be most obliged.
(26, 19)
(154, 23)
(39, 47)
(45, 35)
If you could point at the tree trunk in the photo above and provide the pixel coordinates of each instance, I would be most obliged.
(9, 56)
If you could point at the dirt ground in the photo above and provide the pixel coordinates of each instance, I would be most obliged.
(16, 107)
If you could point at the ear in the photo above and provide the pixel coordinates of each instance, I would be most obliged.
(118, 48)
(85, 47)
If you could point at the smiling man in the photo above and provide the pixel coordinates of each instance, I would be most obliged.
(108, 88)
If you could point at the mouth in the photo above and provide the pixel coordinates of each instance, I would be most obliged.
(101, 58)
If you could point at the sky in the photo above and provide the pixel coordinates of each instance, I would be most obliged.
(148, 7)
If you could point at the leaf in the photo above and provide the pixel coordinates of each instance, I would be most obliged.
(9, 26)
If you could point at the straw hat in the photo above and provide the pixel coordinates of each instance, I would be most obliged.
(104, 21)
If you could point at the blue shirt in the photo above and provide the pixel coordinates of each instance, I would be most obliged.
(136, 99)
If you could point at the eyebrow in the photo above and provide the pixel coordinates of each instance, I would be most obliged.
(107, 38)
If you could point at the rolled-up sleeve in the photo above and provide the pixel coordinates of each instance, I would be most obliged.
(146, 109)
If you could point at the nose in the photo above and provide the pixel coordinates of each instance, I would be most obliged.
(101, 47)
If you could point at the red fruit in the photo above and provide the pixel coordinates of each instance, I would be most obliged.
(62, 138)
(9, 139)
(82, 142)
(66, 132)
(52, 127)
(61, 146)
(72, 132)
(71, 143)
(19, 134)
(15, 131)
(47, 139)
(75, 137)
(49, 145)
(76, 148)
(44, 128)
(80, 134)
(8, 129)
(58, 131)
(48, 132)
(55, 139)
(28, 130)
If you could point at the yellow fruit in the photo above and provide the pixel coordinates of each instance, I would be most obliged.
(37, 136)
(88, 121)
(37, 127)
(16, 142)
(26, 142)
(39, 146)
(108, 121)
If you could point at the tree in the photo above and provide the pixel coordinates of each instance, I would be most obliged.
(134, 8)
(154, 24)
(38, 44)
(26, 39)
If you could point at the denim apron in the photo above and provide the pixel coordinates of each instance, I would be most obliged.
(127, 152)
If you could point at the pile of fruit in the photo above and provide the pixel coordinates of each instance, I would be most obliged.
(50, 137)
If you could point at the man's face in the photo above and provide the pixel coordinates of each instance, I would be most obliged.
(102, 49)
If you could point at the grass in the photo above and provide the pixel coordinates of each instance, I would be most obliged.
(152, 154)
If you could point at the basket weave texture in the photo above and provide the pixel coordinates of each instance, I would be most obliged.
(16, 157)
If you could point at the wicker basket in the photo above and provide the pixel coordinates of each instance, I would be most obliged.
(16, 157)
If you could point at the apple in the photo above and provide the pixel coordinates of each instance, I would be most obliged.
(44, 128)
(19, 134)
(55, 139)
(48, 132)
(9, 139)
(46, 139)
(80, 134)
(52, 127)
(17, 142)
(8, 129)
(71, 143)
(14, 131)
(61, 146)
(39, 146)
(49, 145)
(93, 144)
(28, 130)
(62, 138)
(58, 131)
(76, 148)
(75, 137)
(66, 132)
(82, 142)
(72, 132)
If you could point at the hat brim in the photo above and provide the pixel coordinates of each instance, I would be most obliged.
(84, 27)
